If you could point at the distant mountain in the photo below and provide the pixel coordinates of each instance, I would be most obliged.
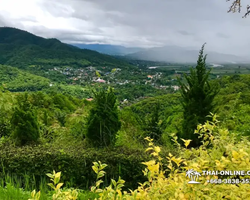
(109, 49)
(183, 55)
(20, 48)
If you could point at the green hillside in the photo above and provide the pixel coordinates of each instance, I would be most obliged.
(20, 49)
(16, 80)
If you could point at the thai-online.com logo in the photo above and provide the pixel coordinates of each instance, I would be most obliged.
(194, 175)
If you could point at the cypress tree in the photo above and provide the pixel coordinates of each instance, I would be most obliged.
(24, 121)
(197, 99)
(103, 121)
(153, 126)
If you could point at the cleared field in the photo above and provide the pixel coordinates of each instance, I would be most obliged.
(220, 70)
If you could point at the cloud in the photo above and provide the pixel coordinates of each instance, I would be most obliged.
(222, 35)
(143, 23)
(183, 32)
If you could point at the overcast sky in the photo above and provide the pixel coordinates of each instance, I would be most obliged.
(141, 23)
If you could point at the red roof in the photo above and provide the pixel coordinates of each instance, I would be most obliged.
(101, 81)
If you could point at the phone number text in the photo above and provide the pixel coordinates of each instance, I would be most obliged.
(229, 181)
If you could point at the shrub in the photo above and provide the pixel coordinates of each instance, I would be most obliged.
(74, 163)
(56, 186)
(219, 151)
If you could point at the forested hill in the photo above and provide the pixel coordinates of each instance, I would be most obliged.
(20, 48)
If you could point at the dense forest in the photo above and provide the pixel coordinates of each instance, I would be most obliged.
(95, 141)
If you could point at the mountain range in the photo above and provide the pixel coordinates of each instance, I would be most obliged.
(168, 54)
(109, 49)
(20, 48)
(177, 54)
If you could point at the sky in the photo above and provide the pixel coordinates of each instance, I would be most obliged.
(133, 23)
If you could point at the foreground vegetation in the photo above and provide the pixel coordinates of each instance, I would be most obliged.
(169, 181)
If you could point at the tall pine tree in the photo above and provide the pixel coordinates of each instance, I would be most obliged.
(197, 99)
(103, 121)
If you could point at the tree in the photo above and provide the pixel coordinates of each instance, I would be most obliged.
(97, 74)
(197, 99)
(153, 126)
(103, 121)
(24, 121)
(6, 102)
(236, 6)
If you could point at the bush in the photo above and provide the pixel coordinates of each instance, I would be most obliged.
(75, 164)
(219, 151)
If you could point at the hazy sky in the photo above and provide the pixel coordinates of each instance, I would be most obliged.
(142, 23)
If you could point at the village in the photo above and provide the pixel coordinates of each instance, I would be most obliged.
(117, 76)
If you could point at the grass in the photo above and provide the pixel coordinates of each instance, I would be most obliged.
(12, 188)
(10, 192)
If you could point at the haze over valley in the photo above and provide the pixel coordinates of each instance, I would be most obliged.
(170, 54)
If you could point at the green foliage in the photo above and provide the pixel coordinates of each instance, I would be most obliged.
(197, 98)
(13, 192)
(170, 116)
(74, 162)
(71, 90)
(24, 121)
(63, 106)
(14, 189)
(62, 102)
(76, 122)
(103, 121)
(131, 131)
(98, 169)
(219, 151)
(107, 192)
(56, 186)
(154, 126)
(6, 103)
(53, 110)
(35, 195)
(16, 80)
(97, 74)
(134, 91)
